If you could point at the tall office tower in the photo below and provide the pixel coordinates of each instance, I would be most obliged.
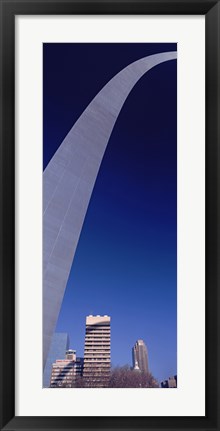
(59, 346)
(140, 356)
(65, 371)
(97, 351)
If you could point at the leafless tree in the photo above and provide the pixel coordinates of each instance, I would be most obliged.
(78, 382)
(120, 377)
(125, 377)
(97, 378)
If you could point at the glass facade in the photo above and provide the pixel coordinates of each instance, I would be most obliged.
(58, 348)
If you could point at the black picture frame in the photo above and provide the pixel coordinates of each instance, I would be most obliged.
(9, 9)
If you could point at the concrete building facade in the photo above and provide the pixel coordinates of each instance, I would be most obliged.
(140, 356)
(65, 371)
(97, 351)
(58, 348)
(68, 182)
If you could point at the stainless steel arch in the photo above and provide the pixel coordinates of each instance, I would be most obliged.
(68, 182)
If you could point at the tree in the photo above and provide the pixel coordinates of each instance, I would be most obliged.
(125, 377)
(120, 377)
(78, 382)
(95, 378)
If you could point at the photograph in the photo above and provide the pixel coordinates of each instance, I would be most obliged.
(110, 215)
(109, 223)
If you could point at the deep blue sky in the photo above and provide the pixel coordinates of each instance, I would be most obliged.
(125, 263)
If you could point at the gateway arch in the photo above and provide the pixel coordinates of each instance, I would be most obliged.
(68, 182)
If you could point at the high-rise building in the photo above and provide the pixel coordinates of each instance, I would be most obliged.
(58, 348)
(97, 352)
(140, 356)
(65, 371)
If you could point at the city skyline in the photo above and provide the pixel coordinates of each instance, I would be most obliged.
(94, 369)
(128, 241)
(64, 368)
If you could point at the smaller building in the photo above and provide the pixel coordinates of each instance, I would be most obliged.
(65, 371)
(170, 383)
